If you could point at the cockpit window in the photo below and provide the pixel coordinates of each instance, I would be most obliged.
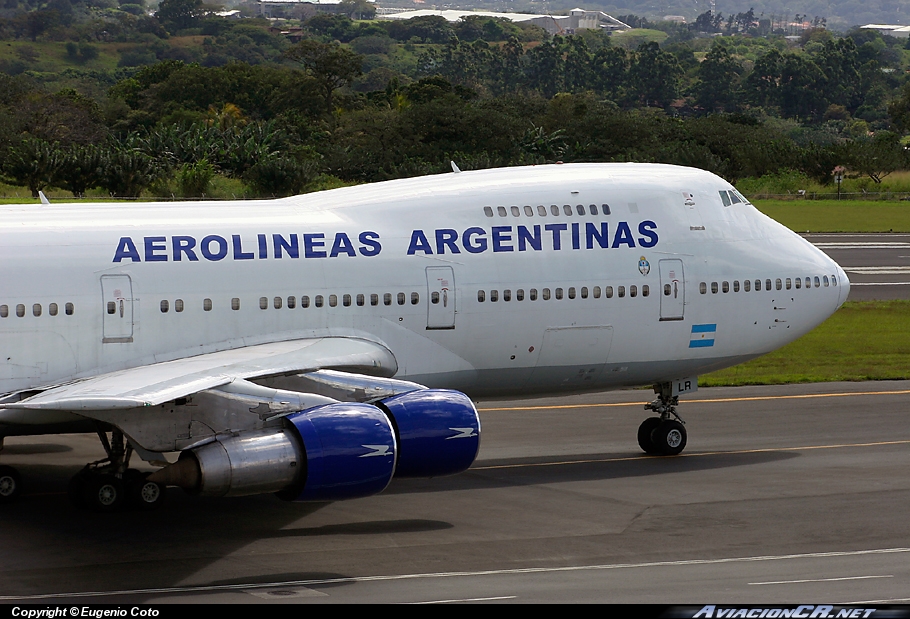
(725, 198)
(734, 198)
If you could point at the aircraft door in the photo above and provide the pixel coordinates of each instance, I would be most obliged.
(117, 308)
(672, 290)
(441, 295)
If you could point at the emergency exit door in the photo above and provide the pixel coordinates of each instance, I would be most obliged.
(672, 290)
(441, 293)
(117, 308)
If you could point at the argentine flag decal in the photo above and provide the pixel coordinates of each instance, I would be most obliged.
(702, 336)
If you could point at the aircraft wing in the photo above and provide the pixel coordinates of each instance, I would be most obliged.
(157, 383)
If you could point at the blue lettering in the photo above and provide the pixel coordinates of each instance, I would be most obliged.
(184, 245)
(419, 242)
(502, 235)
(602, 237)
(556, 229)
(623, 235)
(206, 247)
(576, 236)
(311, 242)
(371, 241)
(281, 245)
(646, 229)
(239, 254)
(446, 238)
(342, 245)
(263, 247)
(153, 244)
(470, 245)
(126, 249)
(526, 238)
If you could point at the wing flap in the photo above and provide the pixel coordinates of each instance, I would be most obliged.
(155, 384)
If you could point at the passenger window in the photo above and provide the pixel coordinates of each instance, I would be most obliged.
(292, 302)
(69, 309)
(387, 298)
(633, 291)
(713, 287)
(178, 305)
(415, 298)
(757, 285)
(572, 292)
(778, 284)
(333, 300)
(506, 295)
(401, 298)
(747, 285)
(494, 296)
(817, 283)
(520, 295)
(20, 310)
(481, 296)
(529, 211)
(593, 209)
(621, 291)
(789, 283)
(361, 300)
(434, 297)
(4, 311)
(799, 283)
(318, 301)
(374, 299)
(111, 307)
(554, 209)
(164, 305)
(304, 301)
(36, 308)
(263, 303)
(567, 209)
(532, 294)
(605, 209)
(516, 212)
(645, 290)
(235, 303)
(207, 305)
(608, 292)
(542, 210)
(346, 300)
(735, 285)
(596, 292)
(833, 280)
(501, 210)
(559, 293)
(808, 283)
(580, 209)
(51, 309)
(702, 288)
(725, 286)
(584, 292)
(725, 198)
(278, 302)
(488, 211)
(824, 279)
(546, 294)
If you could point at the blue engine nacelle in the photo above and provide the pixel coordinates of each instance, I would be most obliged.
(438, 432)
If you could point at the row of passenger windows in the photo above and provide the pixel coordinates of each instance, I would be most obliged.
(305, 301)
(779, 284)
(580, 209)
(560, 293)
(53, 309)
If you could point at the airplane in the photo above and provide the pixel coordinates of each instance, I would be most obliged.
(317, 346)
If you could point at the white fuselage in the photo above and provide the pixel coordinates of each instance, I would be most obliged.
(464, 277)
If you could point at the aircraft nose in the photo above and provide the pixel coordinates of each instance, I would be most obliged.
(843, 283)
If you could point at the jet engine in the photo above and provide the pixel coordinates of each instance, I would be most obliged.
(337, 451)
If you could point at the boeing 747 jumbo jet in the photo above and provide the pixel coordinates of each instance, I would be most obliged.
(317, 346)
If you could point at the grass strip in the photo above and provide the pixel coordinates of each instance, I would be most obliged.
(863, 340)
(838, 215)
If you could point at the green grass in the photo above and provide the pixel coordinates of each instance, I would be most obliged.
(838, 215)
(867, 340)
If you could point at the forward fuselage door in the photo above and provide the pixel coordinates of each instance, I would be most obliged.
(441, 296)
(117, 308)
(672, 290)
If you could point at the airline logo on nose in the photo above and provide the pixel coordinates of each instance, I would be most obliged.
(702, 336)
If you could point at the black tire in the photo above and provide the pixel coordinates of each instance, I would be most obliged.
(10, 484)
(103, 493)
(669, 438)
(144, 494)
(644, 435)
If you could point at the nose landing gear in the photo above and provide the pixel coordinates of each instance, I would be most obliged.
(664, 435)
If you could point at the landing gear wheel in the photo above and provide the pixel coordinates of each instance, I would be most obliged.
(144, 494)
(644, 435)
(10, 484)
(669, 437)
(103, 493)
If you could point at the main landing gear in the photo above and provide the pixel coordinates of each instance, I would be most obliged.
(109, 485)
(664, 435)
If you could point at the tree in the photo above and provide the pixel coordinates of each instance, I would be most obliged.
(32, 163)
(718, 80)
(655, 75)
(176, 15)
(330, 64)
